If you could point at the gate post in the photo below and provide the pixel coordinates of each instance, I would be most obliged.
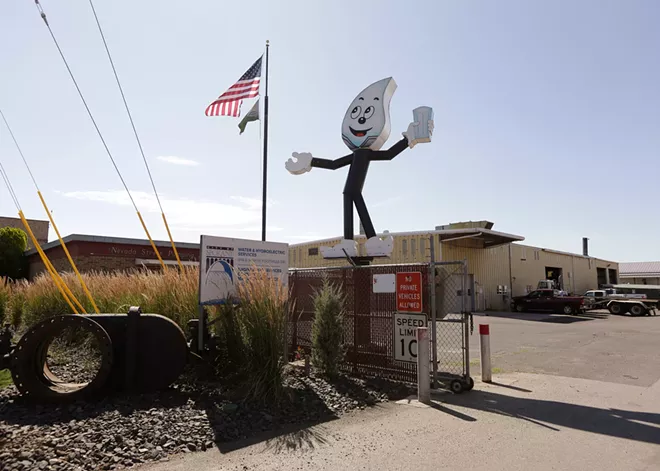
(423, 376)
(434, 331)
(362, 292)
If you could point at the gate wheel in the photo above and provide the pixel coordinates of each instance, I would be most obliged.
(456, 386)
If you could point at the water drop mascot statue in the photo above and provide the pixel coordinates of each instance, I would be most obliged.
(365, 129)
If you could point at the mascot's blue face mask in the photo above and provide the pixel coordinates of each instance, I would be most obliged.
(367, 121)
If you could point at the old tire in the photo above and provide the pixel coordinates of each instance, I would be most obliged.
(568, 309)
(615, 308)
(637, 310)
(520, 308)
(456, 386)
(469, 384)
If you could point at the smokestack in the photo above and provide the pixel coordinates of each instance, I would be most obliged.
(585, 246)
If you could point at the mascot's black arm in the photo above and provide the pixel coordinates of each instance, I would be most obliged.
(332, 164)
(392, 152)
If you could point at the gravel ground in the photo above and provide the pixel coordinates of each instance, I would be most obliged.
(123, 431)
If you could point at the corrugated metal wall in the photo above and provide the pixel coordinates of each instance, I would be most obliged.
(640, 280)
(490, 268)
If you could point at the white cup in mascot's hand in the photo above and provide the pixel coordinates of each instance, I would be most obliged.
(422, 115)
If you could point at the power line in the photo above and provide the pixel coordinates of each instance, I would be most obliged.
(137, 137)
(19, 149)
(123, 97)
(98, 131)
(82, 98)
(10, 189)
(51, 219)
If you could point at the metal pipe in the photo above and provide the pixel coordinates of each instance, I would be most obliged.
(423, 376)
(486, 367)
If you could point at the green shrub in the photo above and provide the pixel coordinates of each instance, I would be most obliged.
(327, 329)
(13, 244)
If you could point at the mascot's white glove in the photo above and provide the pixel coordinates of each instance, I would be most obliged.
(301, 164)
(415, 135)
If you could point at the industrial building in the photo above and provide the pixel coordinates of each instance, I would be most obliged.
(499, 266)
(640, 273)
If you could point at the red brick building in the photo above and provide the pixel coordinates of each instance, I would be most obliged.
(97, 253)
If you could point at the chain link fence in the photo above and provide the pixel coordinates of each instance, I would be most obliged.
(453, 321)
(368, 333)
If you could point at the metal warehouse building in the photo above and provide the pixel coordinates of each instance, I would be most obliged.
(640, 273)
(498, 265)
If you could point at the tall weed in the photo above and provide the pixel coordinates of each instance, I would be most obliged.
(261, 316)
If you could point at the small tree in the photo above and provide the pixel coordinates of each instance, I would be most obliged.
(327, 330)
(13, 243)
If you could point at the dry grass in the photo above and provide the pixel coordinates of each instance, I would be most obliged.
(171, 294)
(253, 330)
(261, 316)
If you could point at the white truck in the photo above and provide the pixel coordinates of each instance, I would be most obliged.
(637, 304)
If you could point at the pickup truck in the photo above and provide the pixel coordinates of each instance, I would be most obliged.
(547, 300)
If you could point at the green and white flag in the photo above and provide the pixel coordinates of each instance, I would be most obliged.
(251, 115)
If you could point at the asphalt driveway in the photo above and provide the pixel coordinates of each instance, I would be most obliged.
(595, 345)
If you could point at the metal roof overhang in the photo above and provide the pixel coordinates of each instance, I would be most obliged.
(484, 238)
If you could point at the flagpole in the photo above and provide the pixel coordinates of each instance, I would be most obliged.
(265, 166)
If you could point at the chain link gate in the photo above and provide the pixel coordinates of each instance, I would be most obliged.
(368, 325)
(452, 302)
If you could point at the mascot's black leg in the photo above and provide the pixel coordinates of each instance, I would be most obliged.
(348, 217)
(365, 219)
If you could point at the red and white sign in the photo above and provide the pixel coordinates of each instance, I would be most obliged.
(409, 291)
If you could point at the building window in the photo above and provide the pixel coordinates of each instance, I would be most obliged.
(313, 251)
(523, 255)
(537, 255)
(413, 248)
(404, 247)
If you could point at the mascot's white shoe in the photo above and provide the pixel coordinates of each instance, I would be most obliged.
(350, 246)
(377, 247)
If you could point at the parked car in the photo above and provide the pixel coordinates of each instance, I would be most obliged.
(548, 300)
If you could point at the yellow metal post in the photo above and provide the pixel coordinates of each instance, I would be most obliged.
(68, 255)
(153, 246)
(176, 252)
(47, 263)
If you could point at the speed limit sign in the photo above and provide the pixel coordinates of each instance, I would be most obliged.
(405, 335)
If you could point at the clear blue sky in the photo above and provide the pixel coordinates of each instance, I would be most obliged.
(547, 116)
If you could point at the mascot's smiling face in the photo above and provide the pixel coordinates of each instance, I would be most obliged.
(367, 121)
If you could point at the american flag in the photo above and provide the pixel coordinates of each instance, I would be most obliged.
(229, 103)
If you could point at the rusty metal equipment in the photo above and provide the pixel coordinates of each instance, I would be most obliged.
(139, 353)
